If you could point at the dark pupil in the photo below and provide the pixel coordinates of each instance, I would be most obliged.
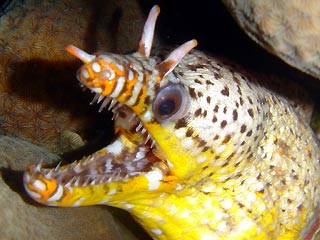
(166, 107)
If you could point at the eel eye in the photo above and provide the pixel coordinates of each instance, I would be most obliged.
(170, 103)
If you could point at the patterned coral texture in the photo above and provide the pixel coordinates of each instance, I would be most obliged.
(39, 97)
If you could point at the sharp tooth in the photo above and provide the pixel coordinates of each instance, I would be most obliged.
(100, 98)
(102, 180)
(57, 167)
(143, 130)
(77, 181)
(147, 139)
(153, 143)
(117, 106)
(93, 182)
(86, 182)
(71, 181)
(104, 104)
(113, 102)
(139, 127)
(110, 179)
(115, 116)
(39, 165)
(95, 98)
(49, 174)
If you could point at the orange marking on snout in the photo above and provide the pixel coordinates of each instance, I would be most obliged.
(51, 187)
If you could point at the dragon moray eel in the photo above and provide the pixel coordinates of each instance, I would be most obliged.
(203, 149)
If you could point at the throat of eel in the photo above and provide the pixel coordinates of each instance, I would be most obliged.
(133, 164)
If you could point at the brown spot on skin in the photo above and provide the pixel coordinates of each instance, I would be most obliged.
(205, 113)
(217, 75)
(241, 101)
(189, 132)
(250, 100)
(197, 112)
(147, 100)
(249, 133)
(225, 91)
(235, 115)
(223, 123)
(208, 99)
(225, 110)
(192, 93)
(216, 137)
(214, 119)
(226, 139)
(180, 123)
(250, 111)
(200, 94)
(239, 90)
(216, 108)
(202, 143)
(206, 148)
(237, 164)
(197, 81)
(243, 128)
(225, 164)
(209, 82)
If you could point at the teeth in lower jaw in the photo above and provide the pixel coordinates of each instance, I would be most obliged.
(58, 166)
(143, 130)
(86, 183)
(50, 173)
(104, 104)
(76, 183)
(153, 143)
(139, 127)
(147, 139)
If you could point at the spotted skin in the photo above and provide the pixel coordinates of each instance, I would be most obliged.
(203, 150)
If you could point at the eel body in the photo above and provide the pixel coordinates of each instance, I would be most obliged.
(203, 149)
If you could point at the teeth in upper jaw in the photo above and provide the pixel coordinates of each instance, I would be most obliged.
(104, 104)
(113, 102)
(100, 98)
(133, 116)
(115, 116)
(95, 98)
(116, 107)
(39, 165)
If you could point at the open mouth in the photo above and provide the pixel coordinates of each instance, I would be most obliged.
(119, 161)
